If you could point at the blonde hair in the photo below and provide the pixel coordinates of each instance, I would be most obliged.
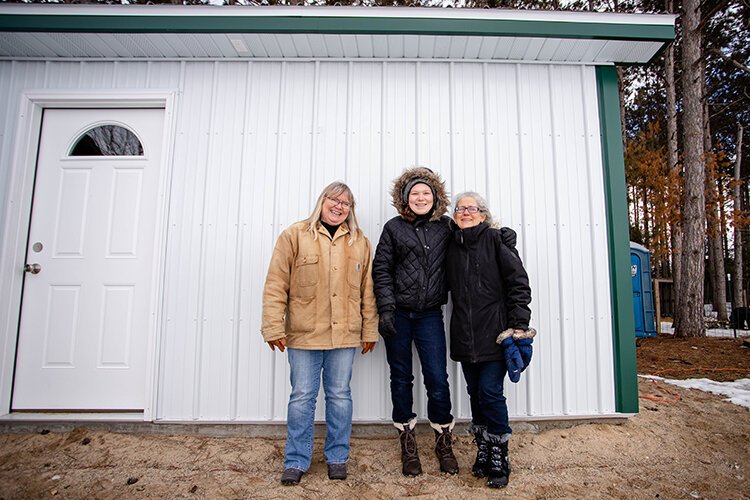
(481, 204)
(334, 190)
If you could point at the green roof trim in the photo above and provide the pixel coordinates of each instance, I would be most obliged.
(623, 324)
(85, 23)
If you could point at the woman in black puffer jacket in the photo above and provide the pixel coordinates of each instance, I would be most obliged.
(410, 287)
(409, 277)
(491, 295)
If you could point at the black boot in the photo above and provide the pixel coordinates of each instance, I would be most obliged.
(482, 462)
(410, 464)
(444, 448)
(499, 469)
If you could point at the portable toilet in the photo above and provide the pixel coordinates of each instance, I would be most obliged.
(643, 295)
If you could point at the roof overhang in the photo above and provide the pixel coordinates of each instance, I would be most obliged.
(168, 32)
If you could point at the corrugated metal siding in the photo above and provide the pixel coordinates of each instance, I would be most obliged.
(256, 141)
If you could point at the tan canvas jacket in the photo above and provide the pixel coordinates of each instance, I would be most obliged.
(318, 292)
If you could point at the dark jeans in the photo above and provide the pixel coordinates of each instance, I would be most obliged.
(427, 331)
(484, 381)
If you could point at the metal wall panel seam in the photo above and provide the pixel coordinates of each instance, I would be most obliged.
(529, 375)
(314, 128)
(417, 80)
(237, 298)
(162, 335)
(202, 266)
(565, 398)
(275, 218)
(385, 400)
(217, 251)
(115, 65)
(605, 354)
(168, 150)
(149, 66)
(47, 66)
(348, 111)
(485, 134)
(7, 135)
(451, 115)
(160, 250)
(227, 167)
(589, 189)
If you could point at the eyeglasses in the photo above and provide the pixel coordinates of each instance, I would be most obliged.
(472, 210)
(336, 202)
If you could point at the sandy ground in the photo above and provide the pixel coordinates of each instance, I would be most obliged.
(695, 447)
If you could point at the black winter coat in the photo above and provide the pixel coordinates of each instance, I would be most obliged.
(408, 269)
(490, 292)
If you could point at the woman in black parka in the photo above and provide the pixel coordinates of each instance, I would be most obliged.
(409, 276)
(491, 295)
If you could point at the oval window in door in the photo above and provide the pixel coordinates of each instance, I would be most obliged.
(108, 140)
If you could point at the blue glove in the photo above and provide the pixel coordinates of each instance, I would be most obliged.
(513, 359)
(524, 347)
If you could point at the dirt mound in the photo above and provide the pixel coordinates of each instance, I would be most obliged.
(696, 447)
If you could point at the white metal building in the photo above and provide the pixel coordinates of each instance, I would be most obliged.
(152, 260)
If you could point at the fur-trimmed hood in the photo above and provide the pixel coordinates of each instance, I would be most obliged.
(441, 199)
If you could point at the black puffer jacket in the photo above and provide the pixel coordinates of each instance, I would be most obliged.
(408, 268)
(409, 265)
(490, 291)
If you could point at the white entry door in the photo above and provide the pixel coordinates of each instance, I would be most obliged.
(87, 304)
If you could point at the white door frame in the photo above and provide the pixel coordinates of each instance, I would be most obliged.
(15, 227)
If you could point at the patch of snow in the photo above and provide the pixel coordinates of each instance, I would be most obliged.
(666, 327)
(738, 392)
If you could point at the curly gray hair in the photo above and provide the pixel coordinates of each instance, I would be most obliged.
(481, 203)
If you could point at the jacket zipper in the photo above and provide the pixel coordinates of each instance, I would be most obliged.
(471, 312)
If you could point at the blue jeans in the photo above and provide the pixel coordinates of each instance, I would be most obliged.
(304, 368)
(484, 381)
(427, 331)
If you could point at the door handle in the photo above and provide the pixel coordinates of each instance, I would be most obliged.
(32, 268)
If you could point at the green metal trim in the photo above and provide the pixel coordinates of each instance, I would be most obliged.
(623, 324)
(332, 25)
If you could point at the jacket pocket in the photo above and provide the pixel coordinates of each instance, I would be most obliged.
(302, 314)
(306, 268)
(354, 278)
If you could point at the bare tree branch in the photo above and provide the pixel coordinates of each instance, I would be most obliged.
(731, 60)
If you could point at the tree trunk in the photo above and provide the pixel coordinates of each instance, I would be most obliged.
(673, 159)
(738, 290)
(717, 273)
(690, 301)
(621, 93)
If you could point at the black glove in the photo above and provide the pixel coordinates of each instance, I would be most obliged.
(508, 237)
(386, 325)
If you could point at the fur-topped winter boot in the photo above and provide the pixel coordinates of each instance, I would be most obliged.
(410, 464)
(498, 472)
(444, 447)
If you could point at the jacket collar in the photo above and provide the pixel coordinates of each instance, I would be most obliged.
(470, 235)
(340, 232)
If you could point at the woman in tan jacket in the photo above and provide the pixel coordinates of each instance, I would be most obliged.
(318, 302)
